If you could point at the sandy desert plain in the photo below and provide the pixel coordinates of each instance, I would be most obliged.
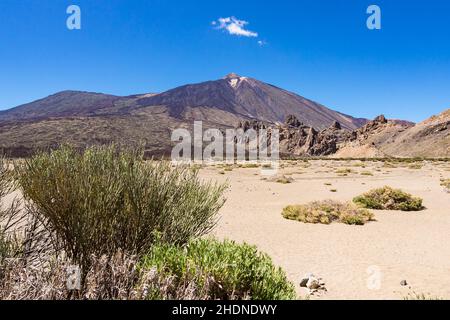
(398, 246)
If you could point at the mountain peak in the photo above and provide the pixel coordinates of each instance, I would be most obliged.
(232, 76)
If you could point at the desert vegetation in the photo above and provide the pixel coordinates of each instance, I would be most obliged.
(284, 179)
(221, 270)
(9, 216)
(446, 184)
(328, 211)
(420, 296)
(387, 198)
(129, 226)
(344, 171)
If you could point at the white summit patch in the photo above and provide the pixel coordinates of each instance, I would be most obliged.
(234, 80)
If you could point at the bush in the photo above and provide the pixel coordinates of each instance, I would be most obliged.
(344, 171)
(328, 211)
(105, 199)
(113, 277)
(9, 216)
(283, 179)
(387, 198)
(221, 270)
(445, 183)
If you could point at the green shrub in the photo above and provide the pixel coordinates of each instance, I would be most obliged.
(225, 270)
(105, 199)
(328, 211)
(387, 198)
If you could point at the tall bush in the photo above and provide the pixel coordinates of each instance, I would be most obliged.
(105, 199)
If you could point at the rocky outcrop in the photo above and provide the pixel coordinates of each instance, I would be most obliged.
(292, 121)
(298, 139)
(251, 124)
(301, 140)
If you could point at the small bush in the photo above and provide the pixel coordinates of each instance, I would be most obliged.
(360, 165)
(328, 211)
(445, 183)
(366, 173)
(415, 166)
(249, 166)
(344, 171)
(389, 165)
(225, 270)
(283, 179)
(101, 200)
(387, 198)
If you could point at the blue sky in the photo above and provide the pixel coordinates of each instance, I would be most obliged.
(319, 49)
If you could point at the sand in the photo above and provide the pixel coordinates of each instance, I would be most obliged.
(356, 262)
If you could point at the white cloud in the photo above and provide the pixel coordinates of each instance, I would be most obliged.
(262, 43)
(234, 27)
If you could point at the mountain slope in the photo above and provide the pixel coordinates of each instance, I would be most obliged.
(85, 118)
(381, 137)
(249, 98)
(62, 104)
(430, 138)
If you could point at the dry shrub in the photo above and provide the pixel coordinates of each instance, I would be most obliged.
(387, 198)
(114, 278)
(446, 183)
(344, 171)
(283, 179)
(420, 296)
(328, 211)
(11, 216)
(416, 166)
